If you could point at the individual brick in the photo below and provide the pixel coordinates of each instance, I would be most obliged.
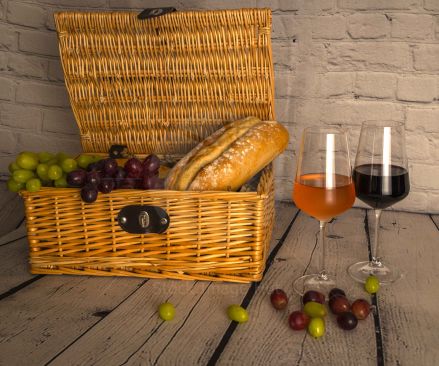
(415, 201)
(431, 5)
(60, 121)
(8, 38)
(52, 143)
(336, 84)
(8, 141)
(27, 65)
(368, 26)
(329, 27)
(43, 43)
(425, 119)
(377, 4)
(42, 94)
(7, 89)
(418, 146)
(55, 70)
(417, 89)
(371, 56)
(426, 57)
(25, 14)
(424, 176)
(375, 85)
(412, 26)
(21, 116)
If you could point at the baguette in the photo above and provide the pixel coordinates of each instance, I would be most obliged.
(230, 157)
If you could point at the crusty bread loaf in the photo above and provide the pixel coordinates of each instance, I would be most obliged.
(229, 157)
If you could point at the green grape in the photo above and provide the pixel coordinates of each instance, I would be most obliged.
(69, 165)
(33, 185)
(314, 309)
(54, 172)
(14, 186)
(53, 161)
(44, 156)
(97, 158)
(372, 284)
(35, 155)
(62, 156)
(22, 175)
(84, 160)
(13, 167)
(42, 171)
(316, 327)
(237, 313)
(167, 311)
(61, 182)
(27, 161)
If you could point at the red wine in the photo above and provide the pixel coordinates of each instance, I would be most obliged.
(380, 191)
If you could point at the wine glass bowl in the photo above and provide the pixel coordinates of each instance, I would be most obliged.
(323, 188)
(381, 179)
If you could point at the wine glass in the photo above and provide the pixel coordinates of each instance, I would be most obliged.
(323, 188)
(381, 179)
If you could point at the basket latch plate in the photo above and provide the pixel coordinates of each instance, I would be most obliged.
(141, 219)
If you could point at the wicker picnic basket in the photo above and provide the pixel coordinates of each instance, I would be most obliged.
(160, 86)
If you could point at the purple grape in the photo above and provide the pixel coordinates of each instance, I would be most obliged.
(119, 177)
(106, 185)
(92, 167)
(89, 193)
(347, 321)
(76, 178)
(336, 292)
(94, 177)
(129, 183)
(151, 164)
(133, 168)
(149, 181)
(110, 167)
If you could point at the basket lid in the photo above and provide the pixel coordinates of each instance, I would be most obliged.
(164, 84)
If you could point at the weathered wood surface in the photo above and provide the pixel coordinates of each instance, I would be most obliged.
(67, 320)
(409, 308)
(11, 210)
(435, 219)
(267, 338)
(199, 325)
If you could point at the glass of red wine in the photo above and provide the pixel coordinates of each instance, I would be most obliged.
(381, 179)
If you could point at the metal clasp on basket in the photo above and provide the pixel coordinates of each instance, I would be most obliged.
(155, 12)
(142, 219)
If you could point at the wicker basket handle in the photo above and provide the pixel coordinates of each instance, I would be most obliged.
(137, 219)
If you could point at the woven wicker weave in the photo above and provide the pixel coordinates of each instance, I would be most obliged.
(160, 85)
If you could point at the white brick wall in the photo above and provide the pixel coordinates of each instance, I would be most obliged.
(336, 62)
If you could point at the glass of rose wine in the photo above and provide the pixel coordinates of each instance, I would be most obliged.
(381, 179)
(323, 188)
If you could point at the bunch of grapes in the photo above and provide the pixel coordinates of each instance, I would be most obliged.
(32, 171)
(105, 175)
(92, 174)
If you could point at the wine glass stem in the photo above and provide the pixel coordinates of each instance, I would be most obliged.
(322, 274)
(376, 260)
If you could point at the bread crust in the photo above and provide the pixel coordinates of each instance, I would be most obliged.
(230, 157)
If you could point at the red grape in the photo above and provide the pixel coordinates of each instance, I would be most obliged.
(106, 185)
(93, 177)
(339, 304)
(129, 183)
(133, 168)
(313, 296)
(360, 308)
(119, 177)
(347, 321)
(89, 193)
(279, 299)
(110, 167)
(336, 291)
(298, 320)
(151, 164)
(76, 178)
(150, 182)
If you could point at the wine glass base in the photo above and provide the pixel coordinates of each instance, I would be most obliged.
(313, 282)
(362, 270)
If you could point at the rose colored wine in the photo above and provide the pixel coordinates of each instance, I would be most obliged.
(311, 195)
(376, 189)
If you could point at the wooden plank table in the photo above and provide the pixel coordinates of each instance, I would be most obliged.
(70, 320)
